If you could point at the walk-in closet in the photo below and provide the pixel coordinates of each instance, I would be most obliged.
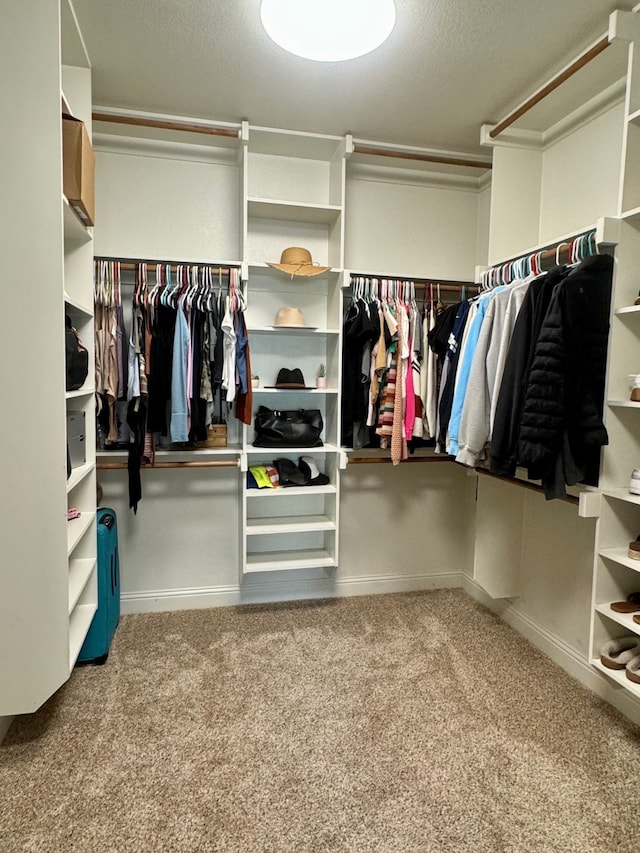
(432, 281)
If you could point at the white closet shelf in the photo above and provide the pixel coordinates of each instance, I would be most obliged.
(295, 390)
(74, 228)
(634, 118)
(274, 561)
(288, 491)
(287, 524)
(78, 306)
(77, 528)
(278, 330)
(619, 676)
(79, 573)
(620, 556)
(261, 268)
(622, 495)
(81, 392)
(632, 216)
(265, 208)
(78, 627)
(624, 404)
(628, 309)
(291, 451)
(78, 474)
(624, 619)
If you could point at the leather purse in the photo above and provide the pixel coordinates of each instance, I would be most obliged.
(288, 428)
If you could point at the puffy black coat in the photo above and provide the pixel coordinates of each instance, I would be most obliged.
(561, 429)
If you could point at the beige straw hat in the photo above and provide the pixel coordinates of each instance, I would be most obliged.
(297, 261)
(290, 318)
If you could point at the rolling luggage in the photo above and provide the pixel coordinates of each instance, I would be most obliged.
(95, 648)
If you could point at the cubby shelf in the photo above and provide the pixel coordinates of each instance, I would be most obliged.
(78, 474)
(619, 676)
(77, 529)
(276, 561)
(262, 208)
(280, 525)
(621, 556)
(624, 619)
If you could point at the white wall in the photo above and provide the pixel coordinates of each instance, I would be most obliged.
(410, 229)
(406, 527)
(580, 176)
(169, 207)
(401, 528)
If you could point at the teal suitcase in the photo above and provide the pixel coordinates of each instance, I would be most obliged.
(95, 648)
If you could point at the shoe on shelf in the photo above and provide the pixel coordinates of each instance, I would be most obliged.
(616, 654)
(633, 669)
(634, 482)
(632, 604)
(634, 549)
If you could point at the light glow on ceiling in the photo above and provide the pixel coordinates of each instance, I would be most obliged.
(328, 30)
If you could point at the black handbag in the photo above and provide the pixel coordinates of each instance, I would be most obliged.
(292, 428)
(76, 358)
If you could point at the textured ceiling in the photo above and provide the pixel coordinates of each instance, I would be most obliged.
(449, 67)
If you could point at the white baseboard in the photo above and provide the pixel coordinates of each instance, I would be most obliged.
(553, 647)
(262, 591)
(5, 725)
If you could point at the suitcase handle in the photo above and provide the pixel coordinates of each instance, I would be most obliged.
(108, 520)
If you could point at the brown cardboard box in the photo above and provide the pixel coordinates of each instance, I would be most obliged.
(78, 169)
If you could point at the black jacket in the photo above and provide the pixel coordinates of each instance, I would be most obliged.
(561, 429)
(506, 426)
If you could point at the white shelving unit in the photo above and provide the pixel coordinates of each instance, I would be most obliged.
(615, 573)
(49, 590)
(295, 186)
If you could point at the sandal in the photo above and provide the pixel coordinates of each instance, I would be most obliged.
(633, 669)
(631, 605)
(616, 654)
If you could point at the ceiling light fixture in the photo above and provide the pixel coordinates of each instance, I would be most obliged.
(328, 30)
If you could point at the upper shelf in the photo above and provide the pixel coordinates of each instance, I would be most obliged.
(74, 51)
(265, 208)
(74, 229)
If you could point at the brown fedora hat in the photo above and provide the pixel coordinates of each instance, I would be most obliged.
(298, 261)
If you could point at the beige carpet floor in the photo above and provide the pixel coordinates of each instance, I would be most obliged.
(399, 723)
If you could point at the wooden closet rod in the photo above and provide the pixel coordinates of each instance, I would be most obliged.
(112, 466)
(423, 158)
(421, 283)
(132, 265)
(184, 126)
(551, 86)
(378, 460)
(523, 484)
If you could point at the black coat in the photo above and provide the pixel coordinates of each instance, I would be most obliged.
(506, 426)
(561, 429)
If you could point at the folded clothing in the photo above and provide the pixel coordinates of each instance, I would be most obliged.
(262, 477)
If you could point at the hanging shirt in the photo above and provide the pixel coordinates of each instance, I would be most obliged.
(179, 392)
(229, 353)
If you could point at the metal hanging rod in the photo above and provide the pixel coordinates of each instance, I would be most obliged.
(186, 127)
(220, 463)
(423, 158)
(551, 86)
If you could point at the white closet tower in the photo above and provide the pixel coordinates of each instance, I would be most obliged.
(49, 565)
(294, 196)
